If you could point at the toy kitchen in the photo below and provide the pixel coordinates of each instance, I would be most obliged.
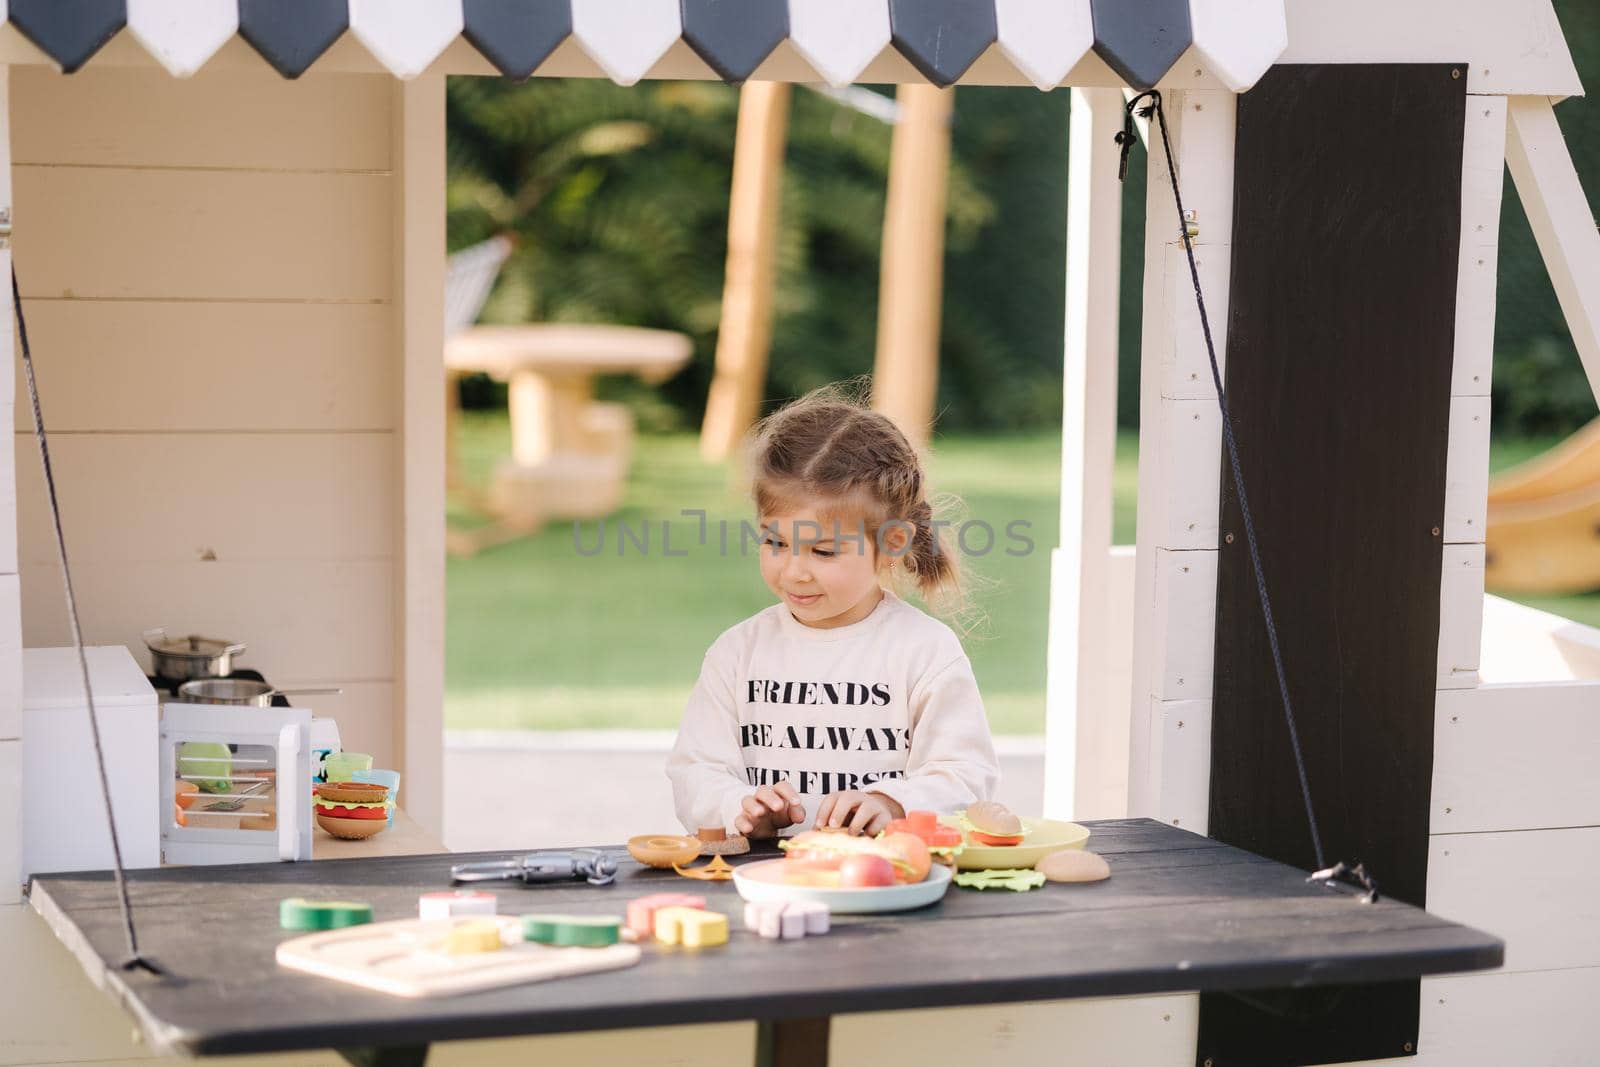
(197, 750)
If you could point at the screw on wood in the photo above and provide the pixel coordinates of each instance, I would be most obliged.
(1455, 73)
(1208, 1062)
(1447, 811)
(1408, 1046)
(1436, 531)
(1228, 538)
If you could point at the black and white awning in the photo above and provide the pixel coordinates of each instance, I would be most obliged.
(1043, 40)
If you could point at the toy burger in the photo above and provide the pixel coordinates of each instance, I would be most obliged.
(992, 823)
(352, 810)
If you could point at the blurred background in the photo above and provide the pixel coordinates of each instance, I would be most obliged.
(618, 202)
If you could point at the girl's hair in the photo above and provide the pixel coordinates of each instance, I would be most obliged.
(830, 448)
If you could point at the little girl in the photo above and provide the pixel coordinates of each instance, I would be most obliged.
(842, 705)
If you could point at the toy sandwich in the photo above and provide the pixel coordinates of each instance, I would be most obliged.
(352, 810)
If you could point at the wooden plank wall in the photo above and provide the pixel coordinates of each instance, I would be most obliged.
(10, 585)
(235, 320)
(208, 269)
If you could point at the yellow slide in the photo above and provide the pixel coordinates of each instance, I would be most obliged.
(1544, 520)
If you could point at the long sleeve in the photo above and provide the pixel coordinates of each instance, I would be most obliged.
(706, 765)
(952, 761)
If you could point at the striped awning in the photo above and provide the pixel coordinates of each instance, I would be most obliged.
(1140, 40)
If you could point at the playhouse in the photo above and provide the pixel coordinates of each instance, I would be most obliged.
(226, 219)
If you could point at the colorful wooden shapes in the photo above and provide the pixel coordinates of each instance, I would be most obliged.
(1141, 39)
(1239, 39)
(516, 35)
(292, 34)
(691, 927)
(626, 37)
(1044, 39)
(786, 921)
(68, 31)
(572, 931)
(470, 937)
(941, 38)
(839, 37)
(297, 913)
(642, 911)
(448, 904)
(183, 34)
(734, 36)
(406, 35)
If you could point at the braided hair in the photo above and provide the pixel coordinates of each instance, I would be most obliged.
(830, 447)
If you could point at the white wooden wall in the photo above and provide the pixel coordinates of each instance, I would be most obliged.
(212, 274)
(10, 591)
(234, 290)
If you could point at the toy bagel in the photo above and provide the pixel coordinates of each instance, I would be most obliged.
(663, 850)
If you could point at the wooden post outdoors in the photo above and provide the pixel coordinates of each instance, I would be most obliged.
(746, 331)
(911, 283)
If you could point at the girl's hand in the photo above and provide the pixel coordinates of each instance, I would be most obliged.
(768, 810)
(860, 813)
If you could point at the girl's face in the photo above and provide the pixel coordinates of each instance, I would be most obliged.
(824, 571)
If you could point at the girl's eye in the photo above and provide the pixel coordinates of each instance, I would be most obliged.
(825, 553)
(775, 545)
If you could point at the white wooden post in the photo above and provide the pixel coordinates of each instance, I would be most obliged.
(1086, 739)
(1180, 448)
(420, 261)
(10, 584)
(1466, 494)
(1561, 220)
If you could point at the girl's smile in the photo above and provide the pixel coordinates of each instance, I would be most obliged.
(824, 569)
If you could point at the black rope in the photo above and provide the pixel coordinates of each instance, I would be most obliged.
(135, 959)
(1125, 138)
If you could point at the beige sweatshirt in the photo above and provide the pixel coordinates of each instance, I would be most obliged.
(888, 704)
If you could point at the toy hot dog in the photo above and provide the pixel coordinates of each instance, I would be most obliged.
(829, 849)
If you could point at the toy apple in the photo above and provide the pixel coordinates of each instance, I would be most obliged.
(864, 871)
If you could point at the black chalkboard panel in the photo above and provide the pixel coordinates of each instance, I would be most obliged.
(1341, 330)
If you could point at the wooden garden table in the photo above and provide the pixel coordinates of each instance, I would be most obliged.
(1180, 912)
(569, 454)
(550, 369)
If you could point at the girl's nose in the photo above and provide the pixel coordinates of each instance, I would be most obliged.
(796, 568)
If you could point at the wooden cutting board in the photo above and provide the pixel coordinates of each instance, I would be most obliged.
(401, 958)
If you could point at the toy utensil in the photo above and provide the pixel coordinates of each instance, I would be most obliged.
(590, 864)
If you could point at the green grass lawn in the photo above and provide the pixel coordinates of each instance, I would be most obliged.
(542, 637)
